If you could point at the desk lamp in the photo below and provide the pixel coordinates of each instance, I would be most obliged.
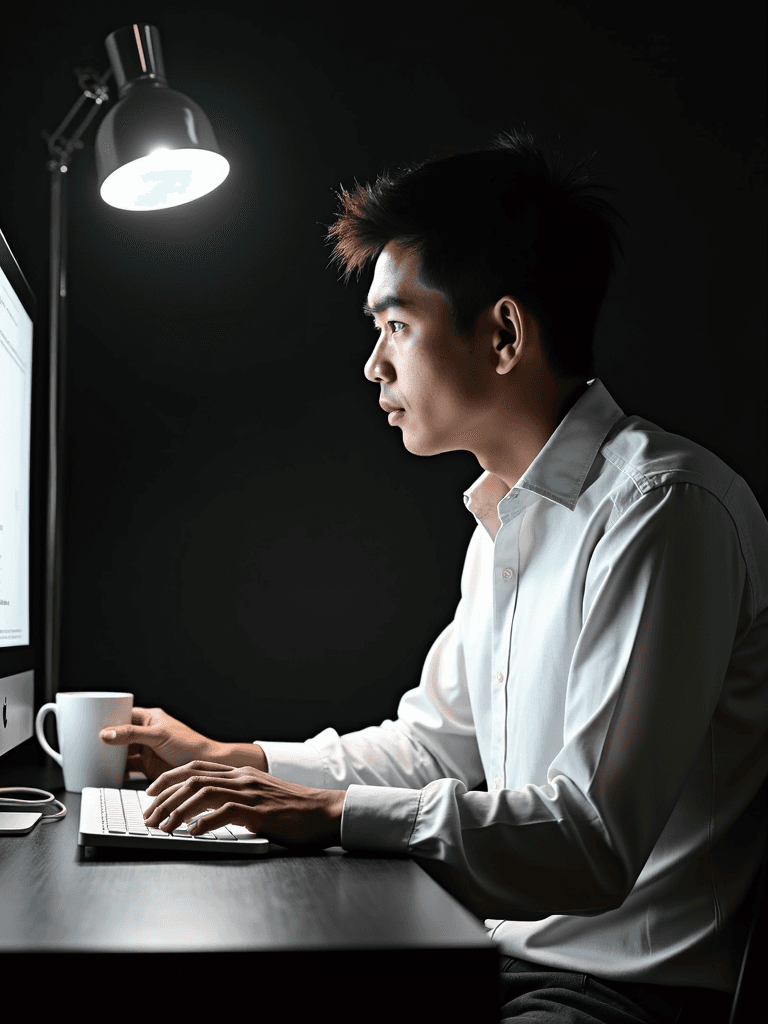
(155, 149)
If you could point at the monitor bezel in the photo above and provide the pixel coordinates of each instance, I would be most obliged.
(19, 283)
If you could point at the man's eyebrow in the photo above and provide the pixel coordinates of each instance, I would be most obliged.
(388, 302)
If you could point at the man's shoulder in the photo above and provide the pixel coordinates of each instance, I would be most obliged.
(646, 456)
(642, 459)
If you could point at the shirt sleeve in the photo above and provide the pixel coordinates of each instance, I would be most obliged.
(660, 611)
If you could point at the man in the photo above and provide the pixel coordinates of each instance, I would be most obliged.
(605, 672)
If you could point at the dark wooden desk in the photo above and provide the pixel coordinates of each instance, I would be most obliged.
(313, 936)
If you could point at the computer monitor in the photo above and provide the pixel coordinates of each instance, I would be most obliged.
(22, 510)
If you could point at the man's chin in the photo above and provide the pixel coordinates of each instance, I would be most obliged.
(411, 445)
(418, 446)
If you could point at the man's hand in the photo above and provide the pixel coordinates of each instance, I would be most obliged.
(157, 742)
(283, 812)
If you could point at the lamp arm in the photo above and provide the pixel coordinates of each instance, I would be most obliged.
(93, 88)
(60, 150)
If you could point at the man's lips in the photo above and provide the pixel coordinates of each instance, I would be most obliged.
(395, 412)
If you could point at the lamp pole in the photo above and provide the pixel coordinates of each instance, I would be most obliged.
(61, 151)
(154, 149)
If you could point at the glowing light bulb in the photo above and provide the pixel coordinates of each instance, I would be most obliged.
(164, 178)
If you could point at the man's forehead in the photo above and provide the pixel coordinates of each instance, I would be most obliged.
(395, 282)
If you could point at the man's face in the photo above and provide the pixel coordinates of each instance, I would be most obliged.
(438, 382)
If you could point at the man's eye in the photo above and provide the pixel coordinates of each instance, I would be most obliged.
(392, 322)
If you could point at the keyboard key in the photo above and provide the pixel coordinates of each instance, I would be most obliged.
(223, 833)
(201, 815)
(145, 801)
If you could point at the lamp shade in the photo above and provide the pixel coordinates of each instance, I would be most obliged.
(155, 148)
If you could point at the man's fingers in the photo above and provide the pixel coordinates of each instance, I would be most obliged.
(178, 804)
(141, 729)
(230, 814)
(182, 793)
(184, 772)
(169, 790)
(141, 716)
(119, 735)
(161, 807)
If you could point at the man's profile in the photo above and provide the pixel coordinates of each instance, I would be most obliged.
(577, 760)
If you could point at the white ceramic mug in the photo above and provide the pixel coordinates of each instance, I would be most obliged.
(80, 717)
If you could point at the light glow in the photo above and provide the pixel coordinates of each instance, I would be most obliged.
(165, 178)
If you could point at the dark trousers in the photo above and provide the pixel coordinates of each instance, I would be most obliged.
(549, 995)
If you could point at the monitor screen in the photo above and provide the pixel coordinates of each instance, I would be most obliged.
(15, 442)
(20, 650)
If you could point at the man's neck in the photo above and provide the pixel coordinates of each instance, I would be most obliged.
(525, 435)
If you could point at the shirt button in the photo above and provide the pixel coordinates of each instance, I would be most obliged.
(497, 783)
(499, 677)
(506, 573)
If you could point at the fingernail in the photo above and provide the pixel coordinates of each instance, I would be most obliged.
(110, 734)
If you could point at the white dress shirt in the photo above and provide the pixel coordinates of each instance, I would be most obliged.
(606, 672)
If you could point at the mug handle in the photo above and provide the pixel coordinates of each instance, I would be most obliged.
(39, 730)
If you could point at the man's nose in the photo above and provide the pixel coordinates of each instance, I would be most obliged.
(378, 368)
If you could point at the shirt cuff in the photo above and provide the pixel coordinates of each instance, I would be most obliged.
(379, 818)
(295, 762)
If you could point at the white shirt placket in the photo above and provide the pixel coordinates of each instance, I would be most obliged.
(506, 563)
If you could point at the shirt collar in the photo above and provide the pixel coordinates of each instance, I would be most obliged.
(559, 470)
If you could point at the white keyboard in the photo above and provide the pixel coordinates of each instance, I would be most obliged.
(115, 817)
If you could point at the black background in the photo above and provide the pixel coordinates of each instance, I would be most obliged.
(247, 542)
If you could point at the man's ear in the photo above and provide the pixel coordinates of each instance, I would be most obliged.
(509, 335)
